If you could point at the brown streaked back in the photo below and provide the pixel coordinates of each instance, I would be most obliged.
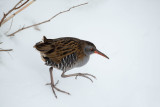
(57, 49)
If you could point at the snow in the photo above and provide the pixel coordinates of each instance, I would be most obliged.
(128, 31)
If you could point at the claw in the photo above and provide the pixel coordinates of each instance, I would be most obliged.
(55, 88)
(85, 76)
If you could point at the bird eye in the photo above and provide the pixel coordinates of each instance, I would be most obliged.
(91, 49)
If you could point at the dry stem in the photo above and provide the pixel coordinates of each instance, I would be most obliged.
(46, 20)
(4, 19)
(6, 50)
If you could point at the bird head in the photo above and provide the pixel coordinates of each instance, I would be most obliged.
(90, 48)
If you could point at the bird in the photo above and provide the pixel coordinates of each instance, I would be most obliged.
(66, 53)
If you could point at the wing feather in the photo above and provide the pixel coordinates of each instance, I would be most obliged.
(60, 48)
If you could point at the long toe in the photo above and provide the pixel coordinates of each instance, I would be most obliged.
(85, 75)
(89, 75)
(54, 87)
(61, 90)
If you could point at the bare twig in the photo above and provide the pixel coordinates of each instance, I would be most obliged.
(18, 11)
(5, 15)
(46, 20)
(22, 5)
(6, 50)
(4, 19)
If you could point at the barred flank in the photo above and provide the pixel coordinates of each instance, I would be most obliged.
(66, 63)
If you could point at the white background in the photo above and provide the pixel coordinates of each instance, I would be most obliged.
(128, 31)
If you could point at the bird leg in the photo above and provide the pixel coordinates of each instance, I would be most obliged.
(85, 75)
(54, 85)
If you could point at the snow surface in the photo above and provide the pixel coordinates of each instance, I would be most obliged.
(128, 31)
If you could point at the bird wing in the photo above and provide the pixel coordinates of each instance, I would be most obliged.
(57, 49)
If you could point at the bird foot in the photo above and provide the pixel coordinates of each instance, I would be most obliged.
(53, 86)
(85, 75)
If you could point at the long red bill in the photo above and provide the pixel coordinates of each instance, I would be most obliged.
(100, 53)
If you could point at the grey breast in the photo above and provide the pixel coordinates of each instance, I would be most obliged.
(82, 61)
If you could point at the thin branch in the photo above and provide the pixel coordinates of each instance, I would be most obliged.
(6, 50)
(22, 4)
(5, 15)
(46, 20)
(18, 11)
(4, 19)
